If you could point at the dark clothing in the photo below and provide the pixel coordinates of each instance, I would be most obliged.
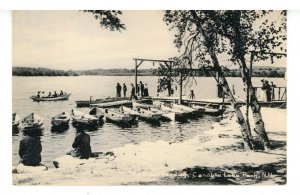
(142, 89)
(132, 96)
(146, 93)
(30, 150)
(119, 89)
(82, 146)
(268, 91)
(124, 90)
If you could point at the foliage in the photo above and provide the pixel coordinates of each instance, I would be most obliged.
(108, 19)
(24, 71)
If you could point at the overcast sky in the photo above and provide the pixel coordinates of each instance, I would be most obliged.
(75, 40)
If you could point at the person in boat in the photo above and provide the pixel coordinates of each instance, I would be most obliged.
(30, 148)
(132, 96)
(124, 89)
(119, 89)
(38, 94)
(49, 95)
(146, 92)
(142, 88)
(61, 93)
(81, 145)
(55, 94)
(192, 95)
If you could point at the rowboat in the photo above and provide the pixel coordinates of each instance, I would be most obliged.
(88, 103)
(117, 116)
(143, 113)
(96, 112)
(173, 114)
(32, 122)
(64, 97)
(15, 120)
(61, 119)
(83, 118)
(166, 114)
(112, 104)
(210, 109)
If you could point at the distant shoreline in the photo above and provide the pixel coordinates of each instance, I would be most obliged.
(263, 71)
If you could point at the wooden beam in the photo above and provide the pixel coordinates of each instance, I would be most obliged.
(151, 60)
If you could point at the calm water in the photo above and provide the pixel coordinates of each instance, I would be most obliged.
(109, 135)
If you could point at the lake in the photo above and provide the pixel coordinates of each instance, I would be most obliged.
(108, 136)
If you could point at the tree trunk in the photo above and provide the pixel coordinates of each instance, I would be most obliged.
(255, 107)
(226, 89)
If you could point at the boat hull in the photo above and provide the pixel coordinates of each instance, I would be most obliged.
(36, 99)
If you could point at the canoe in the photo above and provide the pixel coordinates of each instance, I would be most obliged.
(61, 119)
(112, 104)
(15, 120)
(210, 109)
(96, 112)
(117, 116)
(142, 113)
(64, 97)
(88, 103)
(32, 122)
(83, 118)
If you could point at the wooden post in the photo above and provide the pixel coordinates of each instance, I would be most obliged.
(180, 88)
(135, 80)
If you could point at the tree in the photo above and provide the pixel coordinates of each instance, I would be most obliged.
(108, 19)
(203, 35)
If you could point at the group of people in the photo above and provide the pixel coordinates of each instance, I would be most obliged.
(30, 147)
(50, 95)
(267, 91)
(140, 91)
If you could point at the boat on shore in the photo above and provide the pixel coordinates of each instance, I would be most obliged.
(32, 122)
(15, 120)
(81, 118)
(117, 116)
(143, 113)
(60, 120)
(210, 109)
(39, 99)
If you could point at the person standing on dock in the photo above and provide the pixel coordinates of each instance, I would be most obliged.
(119, 89)
(124, 89)
(30, 148)
(132, 96)
(138, 89)
(191, 95)
(142, 88)
(169, 87)
(146, 92)
(272, 91)
(268, 91)
(81, 145)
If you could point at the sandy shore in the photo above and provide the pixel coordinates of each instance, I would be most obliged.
(212, 157)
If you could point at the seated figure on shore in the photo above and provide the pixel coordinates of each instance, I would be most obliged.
(81, 145)
(30, 149)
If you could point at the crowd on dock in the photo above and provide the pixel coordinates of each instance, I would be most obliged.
(141, 90)
(267, 92)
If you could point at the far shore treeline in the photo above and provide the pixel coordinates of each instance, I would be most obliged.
(258, 71)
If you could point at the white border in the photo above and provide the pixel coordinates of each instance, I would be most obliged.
(5, 118)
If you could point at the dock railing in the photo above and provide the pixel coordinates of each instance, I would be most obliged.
(277, 93)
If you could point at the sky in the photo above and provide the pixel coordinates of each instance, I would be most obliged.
(74, 40)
